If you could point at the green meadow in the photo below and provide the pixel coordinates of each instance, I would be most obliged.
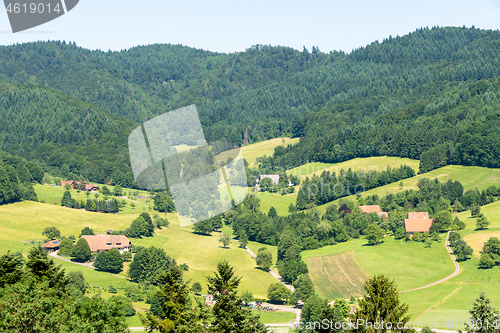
(275, 317)
(366, 164)
(25, 221)
(276, 200)
(252, 151)
(410, 264)
(202, 253)
(53, 195)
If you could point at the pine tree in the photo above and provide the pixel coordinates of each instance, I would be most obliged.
(380, 304)
(229, 314)
(484, 316)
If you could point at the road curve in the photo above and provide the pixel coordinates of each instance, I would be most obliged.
(455, 273)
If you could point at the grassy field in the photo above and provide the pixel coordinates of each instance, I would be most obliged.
(251, 152)
(202, 253)
(25, 221)
(53, 194)
(476, 238)
(338, 275)
(367, 164)
(469, 177)
(410, 264)
(278, 201)
(275, 317)
(452, 299)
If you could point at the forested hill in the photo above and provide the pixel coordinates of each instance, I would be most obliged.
(149, 80)
(65, 135)
(344, 105)
(264, 87)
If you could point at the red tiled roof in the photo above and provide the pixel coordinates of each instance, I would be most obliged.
(370, 209)
(418, 224)
(91, 186)
(106, 242)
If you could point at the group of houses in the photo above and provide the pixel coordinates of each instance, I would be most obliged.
(97, 243)
(414, 222)
(92, 188)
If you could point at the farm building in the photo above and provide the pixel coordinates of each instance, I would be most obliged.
(89, 187)
(374, 209)
(274, 178)
(67, 182)
(418, 222)
(92, 188)
(51, 246)
(98, 243)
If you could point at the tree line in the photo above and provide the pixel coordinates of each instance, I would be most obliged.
(328, 186)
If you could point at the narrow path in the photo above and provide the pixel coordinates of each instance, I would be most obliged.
(273, 273)
(438, 303)
(85, 264)
(456, 272)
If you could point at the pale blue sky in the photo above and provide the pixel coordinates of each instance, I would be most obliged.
(228, 26)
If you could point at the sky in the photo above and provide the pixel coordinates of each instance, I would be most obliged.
(229, 26)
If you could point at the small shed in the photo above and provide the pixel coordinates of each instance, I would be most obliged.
(51, 246)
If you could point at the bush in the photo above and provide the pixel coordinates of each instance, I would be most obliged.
(82, 252)
(134, 293)
(66, 247)
(109, 261)
(278, 293)
(124, 303)
(486, 262)
(196, 288)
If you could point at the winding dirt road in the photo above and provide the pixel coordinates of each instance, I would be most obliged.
(455, 273)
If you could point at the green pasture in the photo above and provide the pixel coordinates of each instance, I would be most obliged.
(53, 195)
(275, 317)
(276, 200)
(252, 151)
(202, 253)
(367, 164)
(410, 264)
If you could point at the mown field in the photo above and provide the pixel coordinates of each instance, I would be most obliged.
(276, 200)
(337, 276)
(25, 221)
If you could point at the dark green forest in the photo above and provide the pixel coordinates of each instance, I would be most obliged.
(431, 95)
